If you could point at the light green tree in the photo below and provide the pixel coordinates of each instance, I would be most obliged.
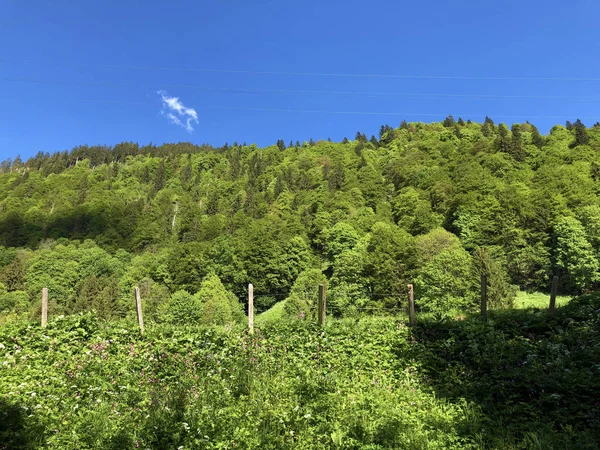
(578, 267)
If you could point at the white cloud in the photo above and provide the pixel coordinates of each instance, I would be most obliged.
(177, 113)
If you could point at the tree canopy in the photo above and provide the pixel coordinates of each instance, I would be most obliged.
(415, 205)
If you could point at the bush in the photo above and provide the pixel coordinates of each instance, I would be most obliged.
(446, 283)
(183, 308)
(218, 305)
(302, 301)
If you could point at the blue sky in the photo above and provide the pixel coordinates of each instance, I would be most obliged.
(97, 72)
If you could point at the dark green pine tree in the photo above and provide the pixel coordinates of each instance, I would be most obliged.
(456, 130)
(403, 125)
(448, 121)
(159, 179)
(461, 122)
(374, 141)
(502, 143)
(516, 145)
(345, 140)
(281, 144)
(581, 136)
(536, 138)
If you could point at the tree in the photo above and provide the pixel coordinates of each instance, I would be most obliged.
(159, 178)
(361, 137)
(415, 214)
(577, 266)
(500, 293)
(12, 275)
(183, 308)
(390, 253)
(218, 305)
(536, 138)
(302, 301)
(447, 282)
(581, 136)
(339, 238)
(516, 146)
(281, 144)
(502, 142)
(448, 121)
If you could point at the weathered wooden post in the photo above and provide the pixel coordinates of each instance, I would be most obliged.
(321, 304)
(553, 292)
(251, 308)
(484, 296)
(138, 302)
(44, 307)
(411, 305)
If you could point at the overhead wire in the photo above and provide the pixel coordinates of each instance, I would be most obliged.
(231, 90)
(372, 113)
(312, 74)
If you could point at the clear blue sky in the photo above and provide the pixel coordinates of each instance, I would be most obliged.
(70, 75)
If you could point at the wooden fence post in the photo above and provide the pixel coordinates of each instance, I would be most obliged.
(553, 292)
(321, 304)
(44, 307)
(411, 305)
(138, 302)
(484, 296)
(251, 308)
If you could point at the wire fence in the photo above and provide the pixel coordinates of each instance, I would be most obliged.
(351, 303)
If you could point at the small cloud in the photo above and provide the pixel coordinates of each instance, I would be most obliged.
(177, 113)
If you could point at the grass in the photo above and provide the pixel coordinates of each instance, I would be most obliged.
(539, 300)
(273, 314)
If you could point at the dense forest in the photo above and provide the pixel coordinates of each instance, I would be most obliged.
(431, 204)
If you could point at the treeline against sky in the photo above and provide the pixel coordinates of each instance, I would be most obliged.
(430, 204)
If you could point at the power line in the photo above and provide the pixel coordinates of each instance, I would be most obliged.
(317, 111)
(374, 113)
(451, 96)
(312, 74)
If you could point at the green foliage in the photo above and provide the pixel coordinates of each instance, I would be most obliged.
(447, 282)
(520, 380)
(302, 302)
(575, 257)
(218, 306)
(93, 223)
(500, 293)
(183, 308)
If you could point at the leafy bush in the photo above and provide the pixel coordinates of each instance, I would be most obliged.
(183, 308)
(447, 282)
(302, 302)
(218, 306)
(520, 380)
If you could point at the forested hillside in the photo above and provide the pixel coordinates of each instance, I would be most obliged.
(430, 204)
